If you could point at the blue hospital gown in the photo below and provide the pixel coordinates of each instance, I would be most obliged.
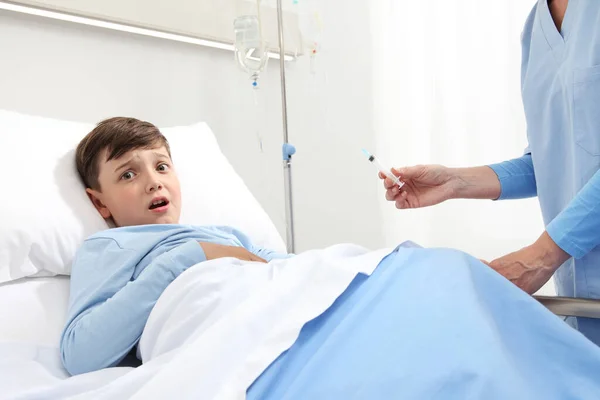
(561, 96)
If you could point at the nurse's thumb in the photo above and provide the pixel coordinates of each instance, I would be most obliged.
(397, 171)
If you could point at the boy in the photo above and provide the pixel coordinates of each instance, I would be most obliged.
(119, 274)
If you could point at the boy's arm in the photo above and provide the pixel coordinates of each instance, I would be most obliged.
(108, 311)
(265, 254)
(269, 255)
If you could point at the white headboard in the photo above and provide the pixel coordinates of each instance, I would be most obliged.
(201, 19)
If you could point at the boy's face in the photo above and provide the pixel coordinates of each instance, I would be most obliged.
(139, 188)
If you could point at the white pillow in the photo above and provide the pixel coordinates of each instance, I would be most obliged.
(45, 214)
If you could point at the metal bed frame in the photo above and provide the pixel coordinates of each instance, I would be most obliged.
(571, 307)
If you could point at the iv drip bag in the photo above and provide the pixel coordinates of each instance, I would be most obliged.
(250, 50)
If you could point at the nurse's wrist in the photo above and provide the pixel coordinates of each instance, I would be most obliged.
(549, 253)
(474, 183)
(459, 183)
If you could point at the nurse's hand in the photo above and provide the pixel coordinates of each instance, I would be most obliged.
(424, 185)
(532, 266)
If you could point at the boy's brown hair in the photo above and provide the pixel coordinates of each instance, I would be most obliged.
(117, 136)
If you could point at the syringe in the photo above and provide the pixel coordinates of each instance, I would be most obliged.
(383, 170)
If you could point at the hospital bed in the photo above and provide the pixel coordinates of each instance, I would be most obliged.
(37, 246)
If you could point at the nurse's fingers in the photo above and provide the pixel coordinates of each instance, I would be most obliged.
(388, 183)
(402, 202)
(394, 171)
(392, 194)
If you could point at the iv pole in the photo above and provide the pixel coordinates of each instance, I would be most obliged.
(287, 149)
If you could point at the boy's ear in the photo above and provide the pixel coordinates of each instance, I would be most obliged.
(96, 197)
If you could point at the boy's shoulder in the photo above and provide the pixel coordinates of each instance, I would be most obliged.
(132, 236)
(126, 233)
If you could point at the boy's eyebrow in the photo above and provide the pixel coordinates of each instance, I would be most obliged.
(161, 155)
(123, 165)
(156, 153)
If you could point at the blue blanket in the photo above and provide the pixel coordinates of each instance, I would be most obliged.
(434, 324)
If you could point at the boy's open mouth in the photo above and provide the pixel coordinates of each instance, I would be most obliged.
(158, 202)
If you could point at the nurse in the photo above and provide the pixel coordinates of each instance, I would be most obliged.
(560, 85)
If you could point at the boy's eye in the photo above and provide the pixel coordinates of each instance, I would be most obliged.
(127, 175)
(163, 167)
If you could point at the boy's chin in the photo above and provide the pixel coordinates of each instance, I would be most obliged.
(160, 220)
(165, 219)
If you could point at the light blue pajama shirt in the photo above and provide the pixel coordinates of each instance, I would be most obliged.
(116, 279)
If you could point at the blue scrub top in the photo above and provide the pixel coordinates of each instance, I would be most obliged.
(561, 96)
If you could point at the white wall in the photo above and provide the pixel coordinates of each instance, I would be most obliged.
(199, 18)
(81, 73)
(331, 119)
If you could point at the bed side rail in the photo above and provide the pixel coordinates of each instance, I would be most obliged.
(571, 307)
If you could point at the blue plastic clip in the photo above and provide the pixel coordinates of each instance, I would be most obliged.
(288, 151)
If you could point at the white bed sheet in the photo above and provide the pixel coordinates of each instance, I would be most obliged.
(278, 299)
(32, 316)
(30, 371)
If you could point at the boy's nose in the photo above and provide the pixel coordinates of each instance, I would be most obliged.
(154, 186)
